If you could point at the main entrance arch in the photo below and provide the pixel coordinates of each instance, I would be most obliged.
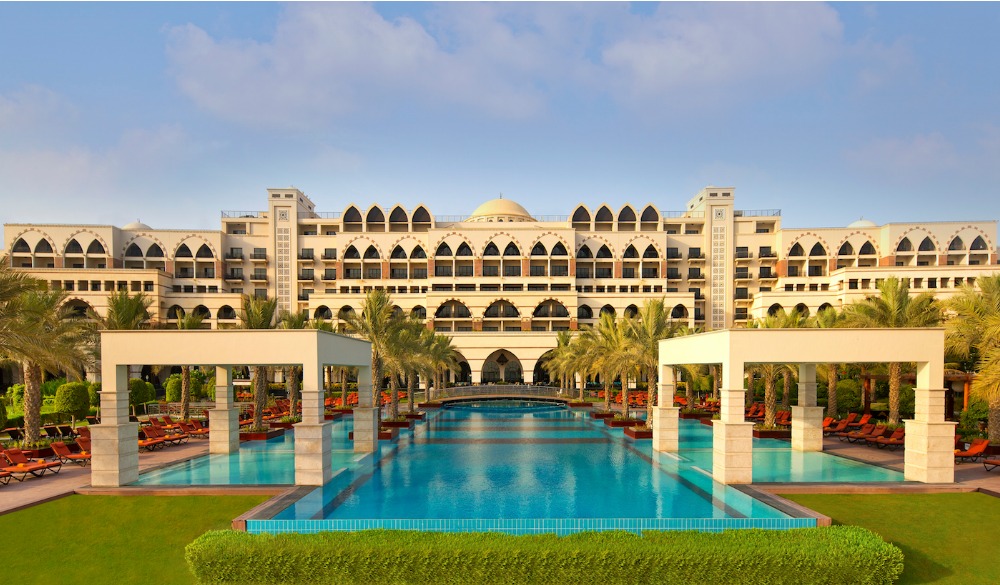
(502, 366)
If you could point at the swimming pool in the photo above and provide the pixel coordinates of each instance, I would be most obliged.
(520, 467)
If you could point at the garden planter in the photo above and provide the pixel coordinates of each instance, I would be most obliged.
(776, 434)
(261, 436)
(383, 434)
(415, 415)
(580, 404)
(397, 424)
(694, 415)
(706, 421)
(280, 425)
(622, 423)
(335, 415)
(639, 432)
(601, 415)
(427, 405)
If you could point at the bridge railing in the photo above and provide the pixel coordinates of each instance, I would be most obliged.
(498, 390)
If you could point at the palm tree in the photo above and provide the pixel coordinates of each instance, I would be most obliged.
(652, 324)
(444, 357)
(770, 372)
(56, 340)
(829, 318)
(13, 284)
(374, 323)
(972, 336)
(289, 320)
(258, 313)
(609, 351)
(192, 321)
(894, 308)
(125, 313)
(402, 355)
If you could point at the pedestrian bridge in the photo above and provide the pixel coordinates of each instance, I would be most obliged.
(501, 391)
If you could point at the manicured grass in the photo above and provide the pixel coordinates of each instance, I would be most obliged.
(108, 539)
(946, 538)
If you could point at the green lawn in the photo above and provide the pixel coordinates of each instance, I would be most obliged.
(946, 538)
(108, 539)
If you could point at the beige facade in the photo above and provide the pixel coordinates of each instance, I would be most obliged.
(502, 281)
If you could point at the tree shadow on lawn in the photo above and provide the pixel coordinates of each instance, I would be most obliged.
(919, 568)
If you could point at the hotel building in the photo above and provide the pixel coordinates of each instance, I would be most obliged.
(500, 281)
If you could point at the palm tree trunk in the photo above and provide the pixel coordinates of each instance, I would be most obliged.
(343, 387)
(770, 401)
(831, 390)
(185, 392)
(32, 402)
(994, 418)
(650, 394)
(393, 396)
(894, 379)
(259, 395)
(786, 396)
(376, 384)
(292, 389)
(411, 387)
(608, 388)
(713, 371)
(583, 385)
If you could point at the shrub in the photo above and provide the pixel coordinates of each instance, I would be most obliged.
(811, 555)
(94, 393)
(140, 392)
(16, 396)
(208, 389)
(49, 388)
(72, 399)
(173, 388)
(3, 415)
(907, 401)
(848, 396)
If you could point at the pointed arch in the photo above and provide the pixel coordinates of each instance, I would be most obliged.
(604, 214)
(133, 251)
(418, 252)
(204, 252)
(796, 250)
(926, 245)
(867, 249)
(558, 250)
(398, 253)
(604, 252)
(96, 247)
(375, 215)
(154, 251)
(452, 309)
(956, 244)
(491, 250)
(371, 253)
(352, 215)
(175, 312)
(904, 245)
(978, 244)
(421, 215)
(501, 308)
(351, 253)
(511, 250)
(183, 251)
(463, 250)
(650, 252)
(626, 214)
(43, 247)
(631, 311)
(581, 215)
(202, 311)
(846, 249)
(630, 252)
(345, 312)
(398, 215)
(443, 250)
(539, 250)
(21, 247)
(817, 250)
(774, 309)
(649, 214)
(73, 247)
(550, 308)
(679, 312)
(584, 252)
(608, 309)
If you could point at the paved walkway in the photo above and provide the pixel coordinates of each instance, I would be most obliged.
(34, 490)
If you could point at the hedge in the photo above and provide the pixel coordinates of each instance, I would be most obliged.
(837, 554)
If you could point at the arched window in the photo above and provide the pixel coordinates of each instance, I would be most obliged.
(375, 215)
(443, 250)
(398, 253)
(626, 215)
(604, 252)
(584, 312)
(631, 252)
(817, 250)
(397, 312)
(420, 215)
(419, 312)
(650, 252)
(398, 215)
(550, 308)
(774, 309)
(604, 214)
(608, 309)
(584, 252)
(649, 214)
(796, 250)
(867, 249)
(95, 247)
(418, 252)
(371, 253)
(204, 252)
(926, 245)
(502, 309)
(452, 310)
(539, 250)
(904, 246)
(631, 311)
(679, 312)
(956, 244)
(74, 247)
(133, 251)
(21, 247)
(352, 215)
(558, 249)
(511, 250)
(203, 312)
(978, 244)
(581, 215)
(183, 252)
(175, 312)
(154, 251)
(227, 312)
(43, 247)
(463, 250)
(351, 253)
(345, 312)
(846, 249)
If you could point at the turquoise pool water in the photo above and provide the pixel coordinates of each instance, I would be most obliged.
(519, 467)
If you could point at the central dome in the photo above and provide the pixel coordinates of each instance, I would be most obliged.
(500, 210)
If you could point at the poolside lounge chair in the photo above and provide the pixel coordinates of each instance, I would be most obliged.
(152, 441)
(67, 456)
(991, 464)
(864, 420)
(175, 438)
(21, 465)
(837, 428)
(896, 439)
(67, 431)
(976, 450)
(853, 436)
(83, 431)
(193, 432)
(52, 432)
(93, 420)
(14, 433)
(5, 477)
(84, 444)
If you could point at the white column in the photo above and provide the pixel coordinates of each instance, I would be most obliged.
(115, 460)
(365, 416)
(665, 423)
(930, 440)
(807, 418)
(313, 442)
(732, 436)
(224, 419)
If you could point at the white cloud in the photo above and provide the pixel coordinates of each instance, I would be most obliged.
(32, 115)
(912, 158)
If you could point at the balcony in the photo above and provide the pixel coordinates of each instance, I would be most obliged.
(602, 273)
(673, 275)
(307, 275)
(184, 274)
(463, 271)
(329, 255)
(419, 274)
(512, 271)
(238, 257)
(742, 276)
(352, 273)
(238, 276)
(699, 257)
(491, 271)
(674, 256)
(650, 273)
(330, 275)
(258, 256)
(397, 274)
(583, 273)
(768, 256)
(767, 275)
(696, 275)
(258, 277)
(303, 297)
(744, 256)
(373, 273)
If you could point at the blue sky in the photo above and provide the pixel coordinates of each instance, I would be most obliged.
(171, 112)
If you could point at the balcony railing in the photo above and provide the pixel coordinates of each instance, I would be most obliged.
(244, 215)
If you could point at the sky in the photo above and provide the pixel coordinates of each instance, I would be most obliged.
(172, 112)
